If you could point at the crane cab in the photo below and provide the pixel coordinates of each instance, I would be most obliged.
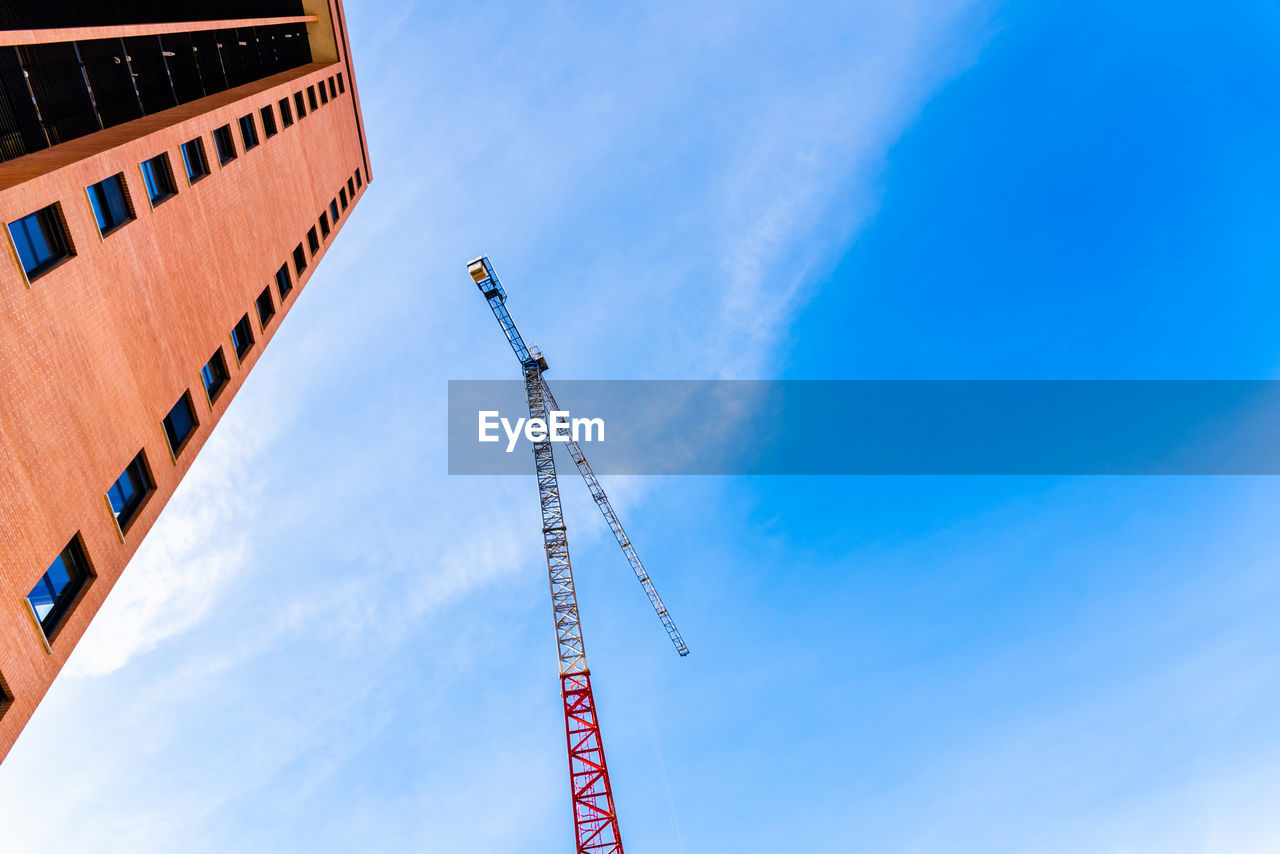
(538, 359)
(482, 274)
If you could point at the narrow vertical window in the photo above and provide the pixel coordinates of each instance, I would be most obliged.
(54, 594)
(194, 160)
(324, 96)
(266, 308)
(351, 188)
(242, 337)
(158, 177)
(333, 210)
(130, 491)
(358, 183)
(299, 261)
(341, 87)
(225, 144)
(180, 423)
(286, 112)
(109, 199)
(41, 240)
(6, 696)
(312, 240)
(248, 132)
(283, 283)
(333, 89)
(268, 121)
(342, 197)
(324, 224)
(311, 98)
(215, 376)
(299, 105)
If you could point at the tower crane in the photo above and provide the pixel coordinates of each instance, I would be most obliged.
(595, 820)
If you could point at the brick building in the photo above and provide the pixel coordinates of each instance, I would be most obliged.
(171, 174)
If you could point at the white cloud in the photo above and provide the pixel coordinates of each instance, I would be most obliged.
(477, 143)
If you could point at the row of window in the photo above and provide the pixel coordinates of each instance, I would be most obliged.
(42, 239)
(53, 596)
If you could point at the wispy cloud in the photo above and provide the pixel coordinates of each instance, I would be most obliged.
(662, 184)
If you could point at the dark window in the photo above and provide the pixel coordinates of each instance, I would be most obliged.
(56, 92)
(193, 158)
(225, 144)
(342, 197)
(333, 210)
(56, 590)
(286, 112)
(333, 88)
(41, 240)
(180, 423)
(6, 696)
(312, 240)
(248, 132)
(324, 96)
(358, 184)
(268, 121)
(266, 308)
(110, 201)
(242, 337)
(299, 261)
(215, 376)
(341, 86)
(351, 188)
(130, 491)
(299, 105)
(283, 283)
(158, 177)
(311, 98)
(324, 224)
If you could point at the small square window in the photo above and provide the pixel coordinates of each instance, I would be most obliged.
(299, 105)
(41, 240)
(299, 261)
(158, 177)
(193, 158)
(333, 88)
(242, 337)
(324, 96)
(215, 376)
(324, 224)
(351, 188)
(312, 240)
(311, 98)
(342, 197)
(109, 199)
(358, 184)
(333, 210)
(286, 112)
(56, 591)
(248, 132)
(266, 308)
(130, 491)
(225, 144)
(341, 86)
(180, 423)
(283, 283)
(268, 121)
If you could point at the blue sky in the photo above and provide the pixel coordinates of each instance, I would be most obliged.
(327, 644)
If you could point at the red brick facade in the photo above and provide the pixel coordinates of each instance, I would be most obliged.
(95, 352)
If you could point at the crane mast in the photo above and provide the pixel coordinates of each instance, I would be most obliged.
(595, 819)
